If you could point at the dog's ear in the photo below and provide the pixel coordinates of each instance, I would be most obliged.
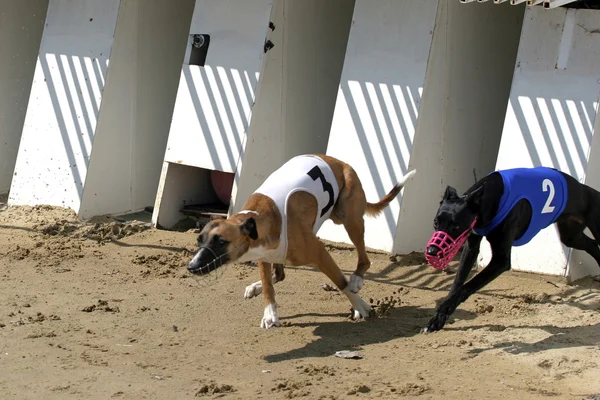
(450, 193)
(474, 198)
(249, 228)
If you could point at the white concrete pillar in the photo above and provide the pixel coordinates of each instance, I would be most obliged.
(133, 126)
(64, 103)
(95, 136)
(552, 113)
(466, 92)
(425, 89)
(378, 103)
(297, 90)
(21, 26)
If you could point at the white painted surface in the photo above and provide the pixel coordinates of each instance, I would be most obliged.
(64, 103)
(21, 26)
(213, 104)
(463, 68)
(464, 103)
(378, 103)
(296, 96)
(581, 263)
(551, 115)
(137, 107)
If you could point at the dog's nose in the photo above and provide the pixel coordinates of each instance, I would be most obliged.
(194, 263)
(432, 250)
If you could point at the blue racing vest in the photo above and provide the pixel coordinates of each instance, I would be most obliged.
(544, 188)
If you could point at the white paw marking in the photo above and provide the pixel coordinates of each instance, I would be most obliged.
(270, 318)
(355, 284)
(361, 308)
(253, 290)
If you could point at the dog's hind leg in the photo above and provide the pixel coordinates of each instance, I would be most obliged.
(255, 289)
(323, 261)
(349, 211)
(356, 232)
(572, 235)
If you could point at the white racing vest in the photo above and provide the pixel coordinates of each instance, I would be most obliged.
(308, 173)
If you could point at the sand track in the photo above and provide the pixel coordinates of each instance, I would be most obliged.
(106, 309)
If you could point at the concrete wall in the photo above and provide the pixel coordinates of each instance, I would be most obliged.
(382, 125)
(296, 95)
(552, 113)
(580, 263)
(21, 26)
(132, 131)
(378, 103)
(462, 113)
(95, 156)
(214, 101)
(64, 103)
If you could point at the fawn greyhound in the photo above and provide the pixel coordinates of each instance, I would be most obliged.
(278, 225)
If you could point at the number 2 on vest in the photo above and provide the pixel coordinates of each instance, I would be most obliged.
(315, 174)
(547, 185)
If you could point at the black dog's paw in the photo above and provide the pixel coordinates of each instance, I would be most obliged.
(435, 324)
(441, 316)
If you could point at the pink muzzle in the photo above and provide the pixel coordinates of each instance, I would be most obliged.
(448, 247)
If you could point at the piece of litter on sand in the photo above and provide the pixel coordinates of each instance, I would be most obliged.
(266, 371)
(329, 287)
(348, 354)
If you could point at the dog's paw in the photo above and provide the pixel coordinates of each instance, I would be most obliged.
(270, 318)
(433, 326)
(355, 284)
(360, 308)
(253, 290)
(437, 323)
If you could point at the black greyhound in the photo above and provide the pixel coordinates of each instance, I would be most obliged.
(484, 211)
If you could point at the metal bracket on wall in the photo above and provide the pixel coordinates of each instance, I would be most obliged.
(268, 45)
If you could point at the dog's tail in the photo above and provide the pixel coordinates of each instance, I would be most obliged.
(374, 209)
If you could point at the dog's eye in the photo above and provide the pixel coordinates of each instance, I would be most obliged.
(218, 240)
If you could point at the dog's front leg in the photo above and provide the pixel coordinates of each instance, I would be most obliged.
(270, 318)
(467, 261)
(499, 264)
(255, 289)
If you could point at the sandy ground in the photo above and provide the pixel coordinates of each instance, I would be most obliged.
(105, 310)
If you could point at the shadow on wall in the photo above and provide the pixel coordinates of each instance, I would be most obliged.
(556, 131)
(75, 85)
(223, 98)
(384, 117)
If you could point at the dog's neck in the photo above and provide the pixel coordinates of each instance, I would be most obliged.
(490, 199)
(268, 220)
